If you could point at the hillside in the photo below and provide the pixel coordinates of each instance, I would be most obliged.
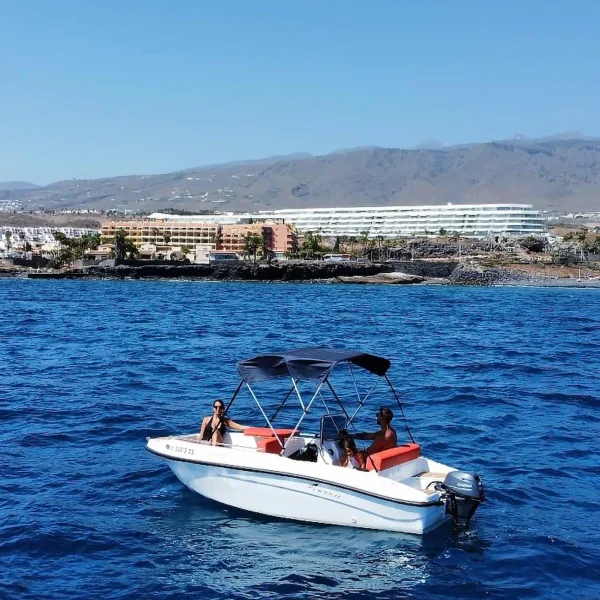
(554, 174)
(17, 185)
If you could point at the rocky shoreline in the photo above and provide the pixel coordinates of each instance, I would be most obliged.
(397, 273)
(292, 271)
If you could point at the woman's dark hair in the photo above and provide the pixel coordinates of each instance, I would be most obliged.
(350, 444)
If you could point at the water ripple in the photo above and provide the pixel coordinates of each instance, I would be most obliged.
(501, 381)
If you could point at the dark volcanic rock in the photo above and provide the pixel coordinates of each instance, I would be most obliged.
(287, 271)
(383, 278)
(425, 268)
(467, 274)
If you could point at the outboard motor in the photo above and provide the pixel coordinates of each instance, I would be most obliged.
(464, 493)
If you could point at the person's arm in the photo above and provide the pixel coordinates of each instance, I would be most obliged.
(365, 436)
(233, 425)
(203, 427)
(376, 446)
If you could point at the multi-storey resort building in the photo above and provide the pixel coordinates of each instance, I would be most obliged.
(466, 220)
(470, 221)
(167, 233)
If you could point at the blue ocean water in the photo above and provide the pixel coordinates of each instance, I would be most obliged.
(502, 381)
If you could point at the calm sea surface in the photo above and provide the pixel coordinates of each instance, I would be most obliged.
(504, 382)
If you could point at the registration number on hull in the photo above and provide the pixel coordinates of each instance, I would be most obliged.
(181, 449)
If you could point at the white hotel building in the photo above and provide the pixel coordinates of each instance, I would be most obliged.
(467, 220)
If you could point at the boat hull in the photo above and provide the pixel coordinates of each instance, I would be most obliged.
(290, 496)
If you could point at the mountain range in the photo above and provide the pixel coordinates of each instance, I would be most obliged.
(559, 173)
(16, 185)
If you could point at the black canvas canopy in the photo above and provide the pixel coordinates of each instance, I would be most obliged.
(307, 364)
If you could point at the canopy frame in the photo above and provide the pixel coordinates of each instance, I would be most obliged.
(321, 378)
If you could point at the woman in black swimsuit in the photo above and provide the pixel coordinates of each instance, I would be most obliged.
(213, 427)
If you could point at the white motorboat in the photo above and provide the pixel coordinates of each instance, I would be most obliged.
(294, 475)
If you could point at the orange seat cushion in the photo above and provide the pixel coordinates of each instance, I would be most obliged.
(392, 457)
(268, 432)
(269, 445)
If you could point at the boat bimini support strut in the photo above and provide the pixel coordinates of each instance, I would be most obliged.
(304, 413)
(283, 403)
(317, 393)
(264, 414)
(401, 408)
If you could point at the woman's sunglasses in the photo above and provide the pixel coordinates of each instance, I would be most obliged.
(218, 406)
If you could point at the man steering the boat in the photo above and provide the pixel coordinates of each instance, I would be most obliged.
(385, 438)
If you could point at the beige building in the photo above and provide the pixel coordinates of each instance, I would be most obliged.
(166, 235)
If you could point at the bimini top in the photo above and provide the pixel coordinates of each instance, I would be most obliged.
(307, 364)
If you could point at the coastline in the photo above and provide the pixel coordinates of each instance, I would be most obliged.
(420, 272)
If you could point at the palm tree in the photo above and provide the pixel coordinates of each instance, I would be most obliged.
(264, 245)
(352, 242)
(364, 238)
(379, 239)
(217, 238)
(312, 244)
(124, 246)
(367, 243)
(8, 235)
(252, 242)
(89, 241)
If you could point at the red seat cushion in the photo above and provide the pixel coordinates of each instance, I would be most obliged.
(269, 445)
(268, 432)
(392, 457)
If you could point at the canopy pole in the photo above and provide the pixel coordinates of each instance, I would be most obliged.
(362, 402)
(294, 382)
(354, 380)
(338, 401)
(324, 403)
(304, 413)
(401, 409)
(350, 420)
(282, 404)
(264, 415)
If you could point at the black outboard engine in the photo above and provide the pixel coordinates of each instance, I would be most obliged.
(464, 493)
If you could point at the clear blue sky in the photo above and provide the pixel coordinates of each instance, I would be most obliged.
(107, 87)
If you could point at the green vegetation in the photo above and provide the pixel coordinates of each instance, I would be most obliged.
(124, 247)
(586, 240)
(533, 243)
(74, 248)
(312, 246)
(252, 243)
